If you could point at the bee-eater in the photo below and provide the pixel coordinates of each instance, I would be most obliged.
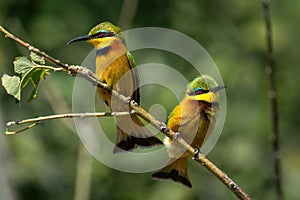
(194, 119)
(115, 66)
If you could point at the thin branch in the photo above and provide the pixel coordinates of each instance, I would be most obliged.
(37, 120)
(21, 130)
(67, 115)
(33, 49)
(90, 76)
(270, 71)
(73, 70)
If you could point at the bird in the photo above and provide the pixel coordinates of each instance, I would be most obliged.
(193, 119)
(115, 66)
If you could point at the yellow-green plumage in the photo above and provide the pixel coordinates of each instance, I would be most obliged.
(194, 118)
(107, 26)
(115, 67)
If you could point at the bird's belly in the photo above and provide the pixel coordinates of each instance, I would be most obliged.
(194, 132)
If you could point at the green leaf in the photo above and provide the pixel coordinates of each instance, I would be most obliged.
(27, 76)
(37, 59)
(26, 68)
(22, 65)
(12, 85)
(35, 78)
(38, 75)
(31, 71)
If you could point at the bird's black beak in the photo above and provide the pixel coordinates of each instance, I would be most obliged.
(80, 38)
(217, 88)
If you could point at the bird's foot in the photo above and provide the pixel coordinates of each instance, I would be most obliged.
(176, 136)
(128, 99)
(164, 128)
(196, 153)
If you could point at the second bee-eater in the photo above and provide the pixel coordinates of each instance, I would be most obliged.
(115, 66)
(194, 119)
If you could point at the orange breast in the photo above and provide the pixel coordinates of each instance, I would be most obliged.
(113, 68)
(189, 121)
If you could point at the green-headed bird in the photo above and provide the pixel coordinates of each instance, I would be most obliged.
(115, 66)
(194, 119)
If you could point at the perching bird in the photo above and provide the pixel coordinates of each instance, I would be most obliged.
(194, 119)
(115, 66)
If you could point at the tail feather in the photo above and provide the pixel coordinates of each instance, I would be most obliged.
(147, 142)
(140, 136)
(177, 171)
(124, 142)
(127, 142)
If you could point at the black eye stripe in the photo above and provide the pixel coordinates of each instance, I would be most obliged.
(103, 34)
(198, 91)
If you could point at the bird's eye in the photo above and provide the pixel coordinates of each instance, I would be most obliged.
(198, 90)
(101, 34)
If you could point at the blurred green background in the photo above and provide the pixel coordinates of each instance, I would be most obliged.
(49, 162)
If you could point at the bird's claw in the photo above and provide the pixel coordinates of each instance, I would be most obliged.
(196, 153)
(128, 99)
(164, 128)
(176, 136)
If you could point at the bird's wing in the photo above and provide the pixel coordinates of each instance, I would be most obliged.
(135, 76)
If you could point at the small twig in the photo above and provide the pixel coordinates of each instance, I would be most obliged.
(270, 71)
(21, 130)
(67, 115)
(37, 120)
(55, 69)
(74, 70)
(33, 49)
(91, 77)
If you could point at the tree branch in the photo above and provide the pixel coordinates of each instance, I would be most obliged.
(91, 77)
(37, 120)
(270, 71)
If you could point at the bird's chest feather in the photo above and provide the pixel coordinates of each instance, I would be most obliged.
(112, 63)
(113, 68)
(194, 121)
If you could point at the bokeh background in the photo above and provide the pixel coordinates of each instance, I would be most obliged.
(49, 162)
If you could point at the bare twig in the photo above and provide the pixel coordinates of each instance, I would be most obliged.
(90, 76)
(73, 70)
(67, 115)
(21, 130)
(270, 71)
(37, 120)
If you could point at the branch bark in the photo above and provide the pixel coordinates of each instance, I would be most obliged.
(91, 77)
